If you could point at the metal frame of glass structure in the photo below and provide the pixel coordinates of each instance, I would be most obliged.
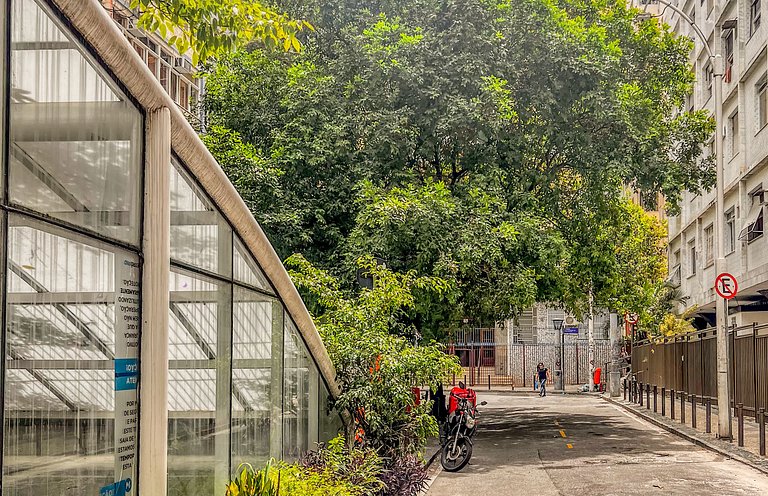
(242, 384)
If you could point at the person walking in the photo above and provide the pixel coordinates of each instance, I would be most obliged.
(543, 374)
(536, 378)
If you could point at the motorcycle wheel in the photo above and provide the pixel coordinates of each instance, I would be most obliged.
(455, 460)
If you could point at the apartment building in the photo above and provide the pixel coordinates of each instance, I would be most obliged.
(745, 145)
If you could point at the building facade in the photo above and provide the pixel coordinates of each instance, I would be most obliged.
(152, 339)
(745, 145)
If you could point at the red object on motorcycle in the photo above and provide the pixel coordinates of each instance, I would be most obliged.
(453, 403)
(416, 398)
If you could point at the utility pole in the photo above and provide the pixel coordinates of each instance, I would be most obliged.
(724, 430)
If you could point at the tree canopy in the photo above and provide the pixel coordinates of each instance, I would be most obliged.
(485, 142)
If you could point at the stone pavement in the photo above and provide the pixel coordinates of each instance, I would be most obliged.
(581, 445)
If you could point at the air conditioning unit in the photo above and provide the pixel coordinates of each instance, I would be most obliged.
(183, 65)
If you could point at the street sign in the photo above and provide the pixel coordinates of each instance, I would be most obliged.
(571, 330)
(726, 286)
(631, 318)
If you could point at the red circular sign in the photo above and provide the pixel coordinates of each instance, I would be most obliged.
(726, 286)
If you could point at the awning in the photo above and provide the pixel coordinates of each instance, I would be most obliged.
(753, 225)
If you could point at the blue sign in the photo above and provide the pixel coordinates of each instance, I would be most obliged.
(571, 330)
(126, 374)
(121, 488)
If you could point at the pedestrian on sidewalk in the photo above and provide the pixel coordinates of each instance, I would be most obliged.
(543, 373)
(536, 378)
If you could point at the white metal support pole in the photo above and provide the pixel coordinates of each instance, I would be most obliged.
(153, 383)
(591, 338)
(614, 376)
(723, 392)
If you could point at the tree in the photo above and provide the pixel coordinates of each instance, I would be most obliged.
(483, 141)
(215, 27)
(376, 369)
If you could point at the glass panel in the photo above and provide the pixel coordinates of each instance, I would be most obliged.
(199, 234)
(251, 377)
(76, 143)
(330, 421)
(72, 363)
(246, 270)
(296, 386)
(199, 385)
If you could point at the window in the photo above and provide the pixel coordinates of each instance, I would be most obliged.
(708, 77)
(754, 16)
(730, 231)
(753, 226)
(733, 135)
(75, 151)
(762, 104)
(692, 256)
(709, 244)
(728, 56)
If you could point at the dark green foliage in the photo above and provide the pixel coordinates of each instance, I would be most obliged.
(485, 142)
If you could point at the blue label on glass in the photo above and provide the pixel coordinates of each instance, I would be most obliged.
(126, 366)
(126, 382)
(120, 488)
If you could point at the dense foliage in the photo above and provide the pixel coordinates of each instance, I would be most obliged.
(487, 143)
(377, 361)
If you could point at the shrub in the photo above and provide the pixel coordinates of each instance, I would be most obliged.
(404, 476)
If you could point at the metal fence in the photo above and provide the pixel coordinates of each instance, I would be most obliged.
(515, 365)
(689, 363)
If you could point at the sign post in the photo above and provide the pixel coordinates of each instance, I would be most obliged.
(726, 288)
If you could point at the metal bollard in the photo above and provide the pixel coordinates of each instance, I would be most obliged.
(634, 390)
(465, 380)
(761, 416)
(709, 415)
(693, 411)
(682, 407)
(672, 404)
(624, 383)
(663, 401)
(655, 398)
(454, 379)
(641, 394)
(740, 418)
(647, 396)
(489, 382)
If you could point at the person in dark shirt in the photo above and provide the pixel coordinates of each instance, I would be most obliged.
(543, 378)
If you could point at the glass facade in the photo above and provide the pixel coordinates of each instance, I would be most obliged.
(242, 386)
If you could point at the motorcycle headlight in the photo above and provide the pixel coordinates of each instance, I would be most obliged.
(470, 422)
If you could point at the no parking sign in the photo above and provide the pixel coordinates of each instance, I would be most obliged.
(726, 286)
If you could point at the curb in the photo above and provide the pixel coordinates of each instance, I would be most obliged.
(433, 475)
(734, 453)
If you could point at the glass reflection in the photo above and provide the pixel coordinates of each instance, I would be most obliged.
(199, 384)
(251, 377)
(75, 142)
(199, 234)
(296, 394)
(73, 317)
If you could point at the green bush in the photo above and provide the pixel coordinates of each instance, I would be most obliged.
(331, 470)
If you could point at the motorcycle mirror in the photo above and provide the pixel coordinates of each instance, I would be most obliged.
(483, 403)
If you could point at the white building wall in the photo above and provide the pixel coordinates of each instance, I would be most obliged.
(745, 157)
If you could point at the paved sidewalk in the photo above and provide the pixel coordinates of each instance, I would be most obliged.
(573, 445)
(749, 453)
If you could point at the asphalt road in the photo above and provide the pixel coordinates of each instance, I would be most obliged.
(581, 445)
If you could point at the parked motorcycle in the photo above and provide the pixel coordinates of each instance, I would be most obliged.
(460, 427)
